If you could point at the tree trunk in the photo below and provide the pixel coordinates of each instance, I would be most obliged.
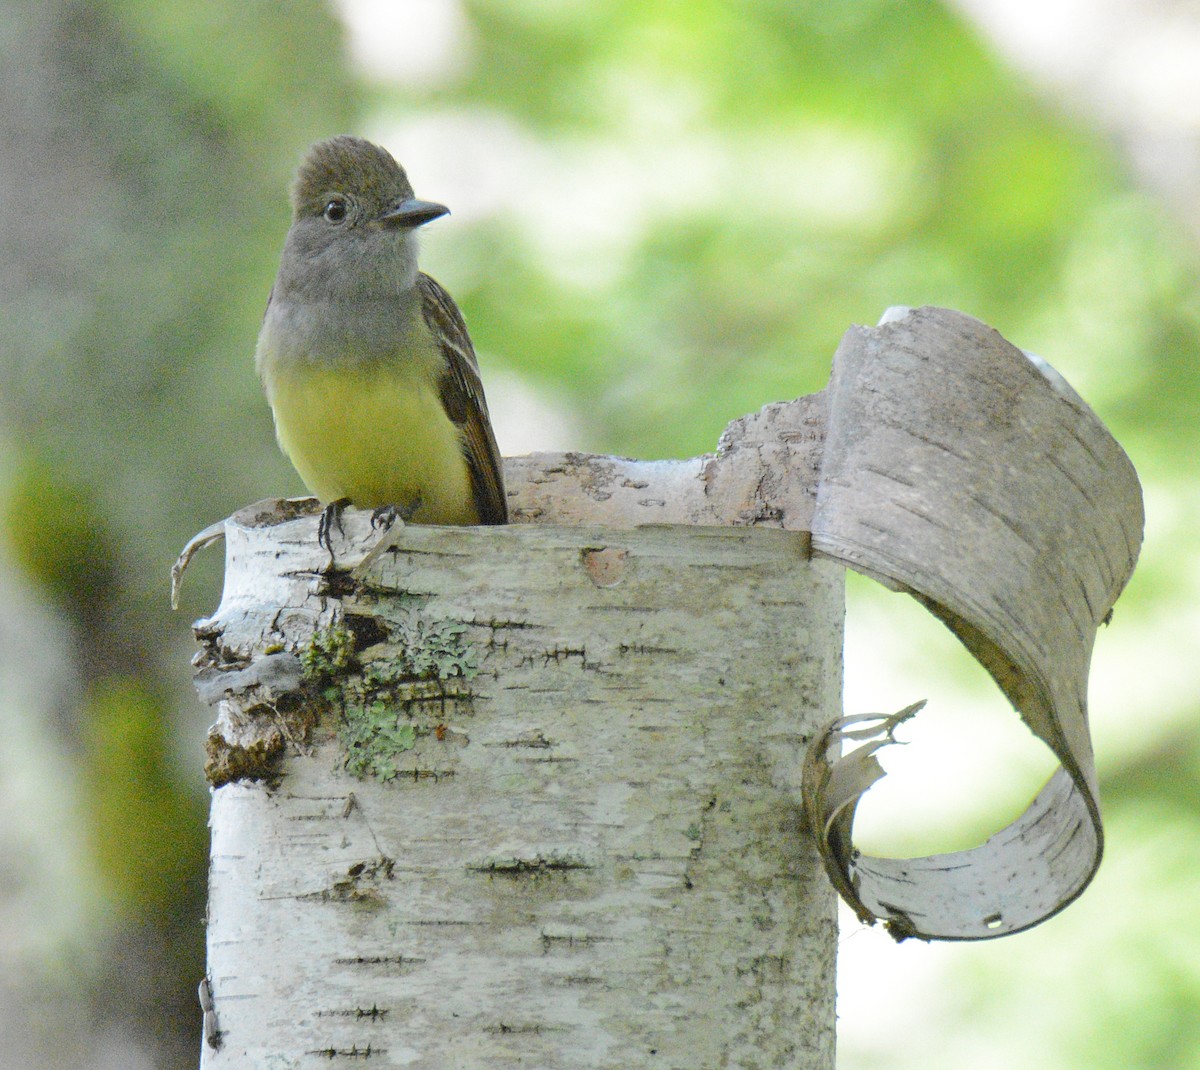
(539, 806)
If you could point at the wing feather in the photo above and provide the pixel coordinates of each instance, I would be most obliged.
(462, 394)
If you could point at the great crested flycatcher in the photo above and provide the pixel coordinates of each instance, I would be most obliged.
(366, 361)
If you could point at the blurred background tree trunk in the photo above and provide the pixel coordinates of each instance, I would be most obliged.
(143, 185)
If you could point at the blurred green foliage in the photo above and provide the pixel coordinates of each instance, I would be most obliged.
(49, 510)
(748, 180)
(873, 157)
(144, 831)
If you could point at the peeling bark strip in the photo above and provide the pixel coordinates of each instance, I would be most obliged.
(972, 476)
(592, 856)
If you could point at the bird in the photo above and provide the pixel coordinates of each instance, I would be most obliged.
(366, 361)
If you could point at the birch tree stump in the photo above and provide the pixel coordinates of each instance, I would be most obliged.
(580, 843)
(532, 796)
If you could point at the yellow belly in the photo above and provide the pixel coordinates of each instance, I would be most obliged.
(376, 436)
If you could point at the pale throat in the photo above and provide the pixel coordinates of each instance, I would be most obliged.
(348, 304)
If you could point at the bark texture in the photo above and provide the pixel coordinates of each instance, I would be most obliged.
(587, 852)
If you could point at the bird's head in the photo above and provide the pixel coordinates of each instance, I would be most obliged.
(351, 199)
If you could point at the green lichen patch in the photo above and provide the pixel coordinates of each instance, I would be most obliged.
(374, 736)
(425, 650)
(392, 694)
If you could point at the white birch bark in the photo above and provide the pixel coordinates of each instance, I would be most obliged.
(590, 857)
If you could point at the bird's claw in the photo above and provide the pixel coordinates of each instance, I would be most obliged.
(387, 515)
(384, 517)
(331, 517)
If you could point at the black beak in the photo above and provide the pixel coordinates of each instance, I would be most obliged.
(412, 213)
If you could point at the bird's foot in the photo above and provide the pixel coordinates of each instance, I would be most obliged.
(331, 517)
(387, 515)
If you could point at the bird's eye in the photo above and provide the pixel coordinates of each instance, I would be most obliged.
(335, 210)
